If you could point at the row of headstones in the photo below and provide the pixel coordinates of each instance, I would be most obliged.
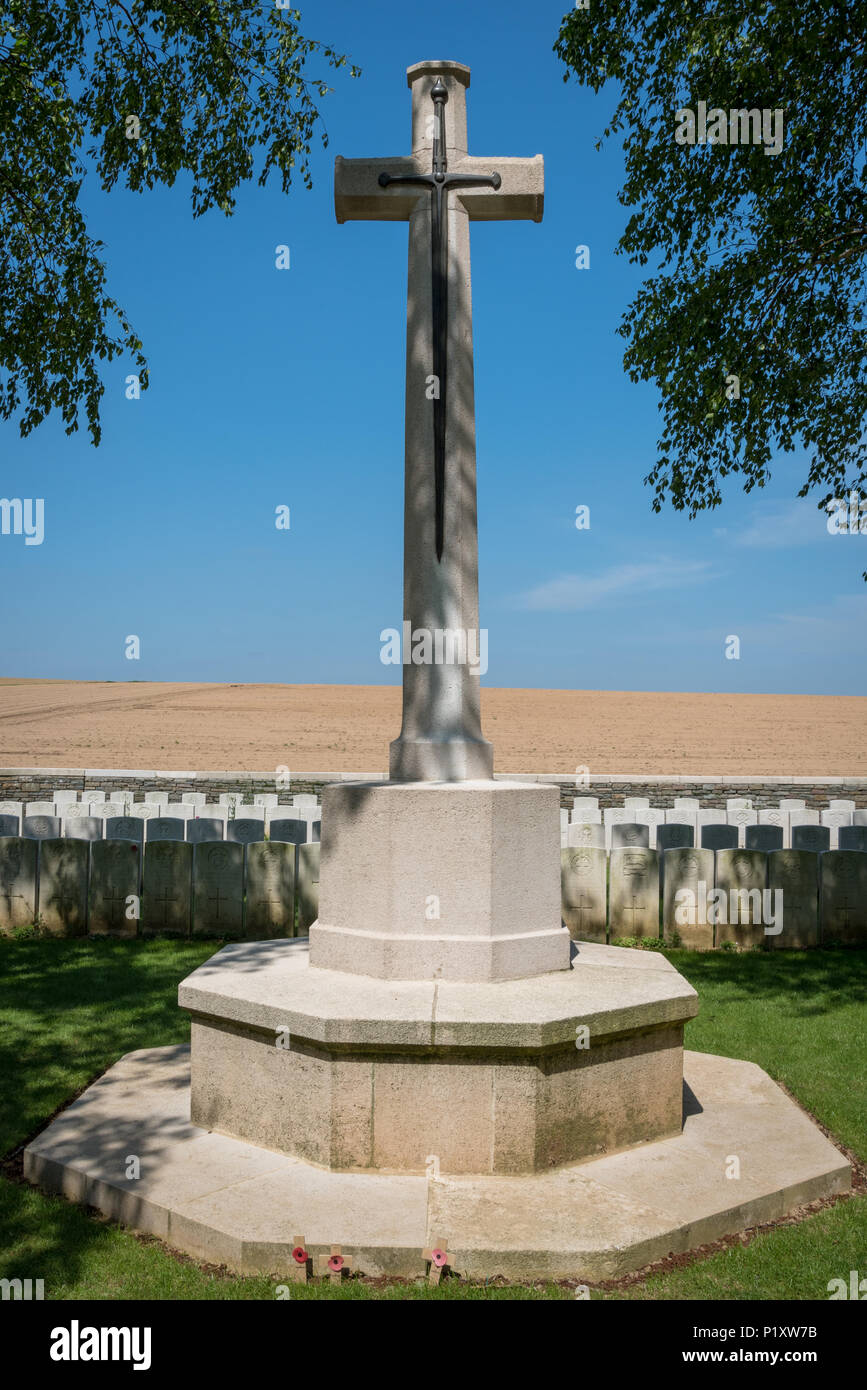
(241, 830)
(117, 888)
(301, 804)
(702, 898)
(619, 835)
(739, 814)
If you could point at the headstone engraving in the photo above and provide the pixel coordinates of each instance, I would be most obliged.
(166, 828)
(834, 820)
(675, 836)
(167, 887)
(688, 872)
(843, 878)
(293, 832)
(630, 834)
(583, 893)
(205, 828)
(794, 875)
(218, 889)
(17, 882)
(742, 874)
(852, 837)
(194, 798)
(583, 833)
(764, 837)
(652, 817)
(270, 905)
(114, 905)
(109, 810)
(816, 838)
(125, 828)
(41, 827)
(586, 815)
(40, 808)
(63, 869)
(67, 798)
(634, 893)
(742, 816)
(245, 831)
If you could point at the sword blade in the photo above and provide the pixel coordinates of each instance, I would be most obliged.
(439, 303)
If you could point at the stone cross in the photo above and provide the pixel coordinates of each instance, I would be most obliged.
(439, 189)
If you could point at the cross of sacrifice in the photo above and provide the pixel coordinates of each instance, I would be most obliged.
(439, 189)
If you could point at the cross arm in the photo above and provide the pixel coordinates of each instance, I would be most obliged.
(520, 196)
(359, 196)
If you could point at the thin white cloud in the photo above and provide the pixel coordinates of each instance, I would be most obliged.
(777, 528)
(572, 592)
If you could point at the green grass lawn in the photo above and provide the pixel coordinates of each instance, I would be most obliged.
(69, 1009)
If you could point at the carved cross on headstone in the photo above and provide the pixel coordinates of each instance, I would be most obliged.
(439, 189)
(634, 907)
(164, 903)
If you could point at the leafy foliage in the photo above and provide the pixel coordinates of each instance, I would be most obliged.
(758, 258)
(145, 92)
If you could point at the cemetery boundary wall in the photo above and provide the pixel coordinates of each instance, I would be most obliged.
(37, 784)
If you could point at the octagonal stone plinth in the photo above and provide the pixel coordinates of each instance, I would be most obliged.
(356, 1073)
(440, 881)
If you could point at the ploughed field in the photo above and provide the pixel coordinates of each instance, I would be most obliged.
(332, 728)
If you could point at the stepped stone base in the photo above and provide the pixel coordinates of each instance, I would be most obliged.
(239, 1204)
(353, 1072)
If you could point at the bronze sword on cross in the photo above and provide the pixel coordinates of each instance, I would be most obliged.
(439, 180)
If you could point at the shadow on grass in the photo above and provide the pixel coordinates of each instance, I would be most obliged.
(72, 1008)
(808, 982)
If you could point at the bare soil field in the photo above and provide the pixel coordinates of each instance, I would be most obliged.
(329, 728)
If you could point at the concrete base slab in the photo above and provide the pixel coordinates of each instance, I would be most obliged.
(234, 1203)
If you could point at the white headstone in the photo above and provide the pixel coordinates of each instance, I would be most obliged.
(651, 816)
(833, 820)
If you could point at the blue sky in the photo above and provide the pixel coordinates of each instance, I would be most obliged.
(286, 387)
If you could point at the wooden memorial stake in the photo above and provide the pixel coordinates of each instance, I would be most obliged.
(300, 1260)
(334, 1264)
(439, 1258)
